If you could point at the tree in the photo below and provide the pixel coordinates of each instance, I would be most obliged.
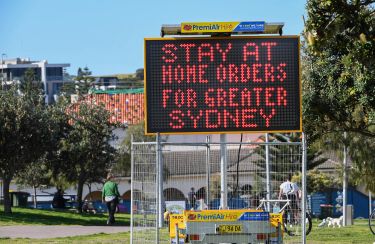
(84, 81)
(362, 153)
(123, 163)
(317, 181)
(82, 85)
(339, 74)
(34, 175)
(40, 172)
(86, 153)
(294, 154)
(24, 134)
(31, 84)
(339, 67)
(139, 73)
(79, 72)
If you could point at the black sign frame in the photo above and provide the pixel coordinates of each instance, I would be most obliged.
(219, 85)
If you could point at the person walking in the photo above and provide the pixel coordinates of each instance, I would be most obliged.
(192, 198)
(110, 196)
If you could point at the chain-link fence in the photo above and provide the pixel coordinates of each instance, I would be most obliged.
(254, 175)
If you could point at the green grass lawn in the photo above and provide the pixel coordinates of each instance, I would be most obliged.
(26, 216)
(97, 238)
(358, 233)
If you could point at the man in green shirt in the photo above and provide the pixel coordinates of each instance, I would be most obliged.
(110, 196)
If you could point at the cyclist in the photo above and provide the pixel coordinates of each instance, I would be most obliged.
(290, 190)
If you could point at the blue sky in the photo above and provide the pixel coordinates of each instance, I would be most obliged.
(107, 35)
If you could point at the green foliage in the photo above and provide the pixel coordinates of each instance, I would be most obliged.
(361, 151)
(68, 89)
(123, 162)
(339, 67)
(139, 73)
(338, 78)
(138, 132)
(85, 152)
(35, 174)
(361, 163)
(317, 181)
(30, 85)
(82, 85)
(84, 81)
(280, 156)
(24, 133)
(289, 154)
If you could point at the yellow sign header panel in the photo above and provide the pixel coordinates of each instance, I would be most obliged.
(208, 27)
(215, 27)
(225, 215)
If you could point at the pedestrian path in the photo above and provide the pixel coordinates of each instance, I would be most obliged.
(54, 231)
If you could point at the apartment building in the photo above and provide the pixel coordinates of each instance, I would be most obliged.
(51, 75)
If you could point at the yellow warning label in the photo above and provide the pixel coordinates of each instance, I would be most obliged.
(173, 220)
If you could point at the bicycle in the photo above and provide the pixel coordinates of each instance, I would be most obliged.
(371, 221)
(292, 225)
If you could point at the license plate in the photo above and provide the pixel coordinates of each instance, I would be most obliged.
(230, 228)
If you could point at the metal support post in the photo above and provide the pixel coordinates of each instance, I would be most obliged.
(268, 182)
(159, 190)
(2, 70)
(223, 172)
(369, 204)
(208, 139)
(303, 203)
(345, 183)
(131, 190)
(177, 234)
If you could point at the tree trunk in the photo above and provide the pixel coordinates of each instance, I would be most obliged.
(79, 194)
(89, 186)
(35, 201)
(7, 200)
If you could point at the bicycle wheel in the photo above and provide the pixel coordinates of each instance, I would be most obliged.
(371, 222)
(293, 227)
(308, 223)
(288, 222)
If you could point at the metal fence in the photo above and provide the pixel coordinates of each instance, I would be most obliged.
(184, 171)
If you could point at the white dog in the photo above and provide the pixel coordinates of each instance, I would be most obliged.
(323, 223)
(335, 221)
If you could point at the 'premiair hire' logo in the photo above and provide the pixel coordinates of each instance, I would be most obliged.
(192, 217)
(187, 27)
(206, 27)
(212, 216)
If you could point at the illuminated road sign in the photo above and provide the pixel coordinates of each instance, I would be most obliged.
(220, 85)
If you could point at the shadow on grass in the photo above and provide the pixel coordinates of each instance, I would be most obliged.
(48, 217)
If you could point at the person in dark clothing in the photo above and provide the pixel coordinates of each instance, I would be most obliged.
(192, 198)
(110, 196)
(58, 199)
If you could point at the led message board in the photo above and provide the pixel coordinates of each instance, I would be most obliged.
(220, 85)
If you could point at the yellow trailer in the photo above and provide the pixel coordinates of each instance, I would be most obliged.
(226, 226)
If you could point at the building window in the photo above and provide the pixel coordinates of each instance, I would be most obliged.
(55, 73)
(56, 88)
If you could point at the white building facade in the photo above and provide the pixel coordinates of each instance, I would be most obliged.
(51, 75)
